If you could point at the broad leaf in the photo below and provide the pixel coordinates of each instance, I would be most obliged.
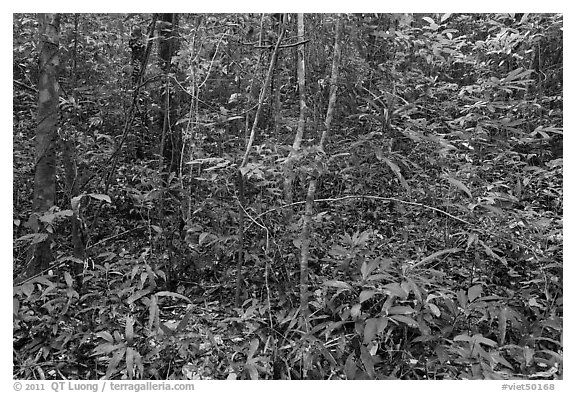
(396, 290)
(366, 294)
(404, 310)
(370, 329)
(474, 292)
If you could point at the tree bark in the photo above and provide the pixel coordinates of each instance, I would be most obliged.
(46, 136)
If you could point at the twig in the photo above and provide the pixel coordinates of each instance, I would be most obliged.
(368, 197)
(257, 223)
(282, 46)
(212, 61)
(261, 101)
(33, 89)
(115, 236)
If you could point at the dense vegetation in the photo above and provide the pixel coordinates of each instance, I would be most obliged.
(420, 239)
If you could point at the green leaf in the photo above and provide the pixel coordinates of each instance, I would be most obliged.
(173, 294)
(106, 348)
(516, 74)
(350, 367)
(112, 366)
(472, 239)
(331, 327)
(33, 238)
(459, 185)
(68, 279)
(165, 329)
(463, 337)
(130, 362)
(15, 306)
(253, 348)
(27, 288)
(184, 322)
(491, 253)
(483, 340)
(429, 20)
(396, 290)
(378, 277)
(370, 329)
(355, 311)
(382, 324)
(437, 254)
(474, 292)
(366, 294)
(137, 295)
(404, 310)
(338, 284)
(404, 319)
(105, 335)
(100, 197)
(129, 330)
(367, 361)
(435, 310)
(395, 169)
(252, 371)
(368, 267)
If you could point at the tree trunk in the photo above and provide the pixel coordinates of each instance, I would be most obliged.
(301, 71)
(46, 136)
(277, 83)
(241, 180)
(309, 209)
(171, 139)
(70, 164)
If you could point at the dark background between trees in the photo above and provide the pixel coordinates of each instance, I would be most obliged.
(282, 196)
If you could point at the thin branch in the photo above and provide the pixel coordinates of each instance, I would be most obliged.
(535, 251)
(212, 61)
(257, 223)
(115, 236)
(261, 100)
(32, 89)
(282, 46)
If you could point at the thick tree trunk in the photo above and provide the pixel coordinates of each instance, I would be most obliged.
(46, 136)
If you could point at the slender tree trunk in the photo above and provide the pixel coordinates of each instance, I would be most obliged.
(240, 260)
(277, 83)
(241, 180)
(301, 85)
(301, 72)
(69, 161)
(46, 136)
(333, 84)
(309, 209)
(167, 48)
(253, 96)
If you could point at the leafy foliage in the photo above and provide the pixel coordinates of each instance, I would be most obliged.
(436, 250)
